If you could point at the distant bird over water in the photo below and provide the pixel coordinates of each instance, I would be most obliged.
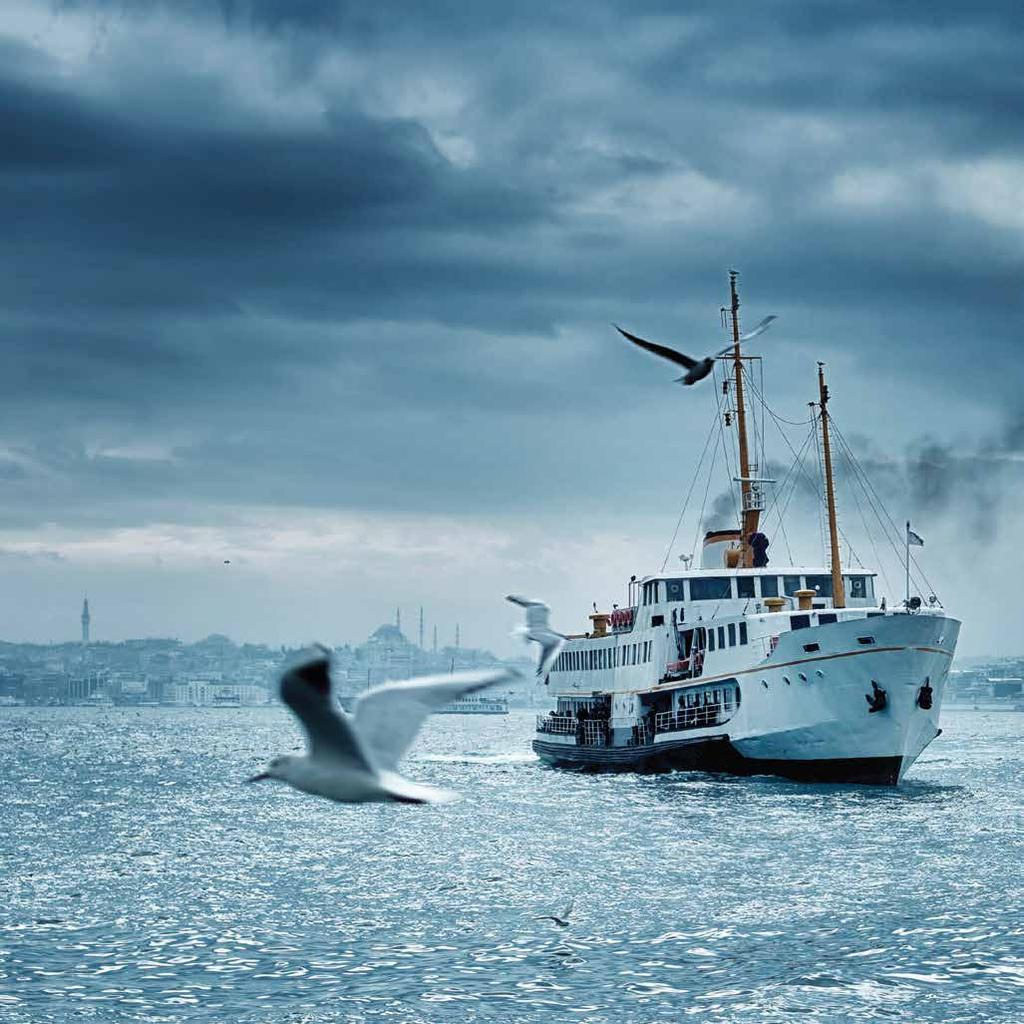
(562, 920)
(696, 369)
(538, 630)
(353, 758)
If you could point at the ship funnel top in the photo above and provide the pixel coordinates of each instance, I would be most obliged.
(721, 549)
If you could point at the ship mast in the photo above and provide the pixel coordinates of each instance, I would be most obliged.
(838, 594)
(751, 496)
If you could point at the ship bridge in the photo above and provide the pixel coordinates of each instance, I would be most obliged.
(718, 592)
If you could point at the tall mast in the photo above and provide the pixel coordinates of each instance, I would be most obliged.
(751, 502)
(838, 594)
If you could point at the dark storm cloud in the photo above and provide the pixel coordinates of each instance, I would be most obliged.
(333, 308)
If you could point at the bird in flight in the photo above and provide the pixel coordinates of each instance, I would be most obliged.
(562, 919)
(354, 758)
(538, 630)
(696, 369)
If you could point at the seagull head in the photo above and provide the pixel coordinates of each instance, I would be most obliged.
(279, 768)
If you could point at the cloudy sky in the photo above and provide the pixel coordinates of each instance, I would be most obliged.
(324, 289)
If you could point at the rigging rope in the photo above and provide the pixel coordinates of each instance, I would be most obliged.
(920, 577)
(689, 493)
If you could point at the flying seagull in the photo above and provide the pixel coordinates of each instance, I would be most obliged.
(696, 369)
(537, 629)
(562, 920)
(354, 758)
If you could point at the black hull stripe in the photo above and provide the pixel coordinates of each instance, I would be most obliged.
(717, 754)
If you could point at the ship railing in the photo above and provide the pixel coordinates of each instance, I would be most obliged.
(641, 737)
(692, 718)
(559, 725)
(588, 732)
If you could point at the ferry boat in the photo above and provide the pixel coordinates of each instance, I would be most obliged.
(746, 667)
(475, 706)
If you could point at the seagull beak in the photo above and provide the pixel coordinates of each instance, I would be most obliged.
(258, 777)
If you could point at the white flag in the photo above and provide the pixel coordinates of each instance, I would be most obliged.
(913, 539)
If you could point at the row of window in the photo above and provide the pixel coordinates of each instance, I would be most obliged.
(605, 657)
(730, 632)
(724, 588)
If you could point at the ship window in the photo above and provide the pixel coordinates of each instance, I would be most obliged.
(799, 621)
(657, 591)
(821, 584)
(710, 588)
(790, 585)
(711, 639)
(657, 620)
(875, 615)
(811, 648)
(826, 617)
(865, 640)
(744, 586)
(769, 586)
(721, 638)
(732, 634)
(743, 632)
(674, 590)
(857, 586)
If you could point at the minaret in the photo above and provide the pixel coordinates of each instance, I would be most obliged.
(435, 639)
(85, 621)
(421, 627)
(458, 642)
(398, 619)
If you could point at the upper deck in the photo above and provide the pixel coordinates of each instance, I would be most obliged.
(716, 592)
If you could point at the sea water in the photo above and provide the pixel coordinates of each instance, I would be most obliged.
(142, 881)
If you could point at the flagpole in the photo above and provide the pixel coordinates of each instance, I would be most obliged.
(907, 539)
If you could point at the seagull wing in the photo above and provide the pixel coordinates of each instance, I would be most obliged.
(550, 647)
(537, 612)
(306, 689)
(760, 328)
(388, 718)
(568, 908)
(659, 350)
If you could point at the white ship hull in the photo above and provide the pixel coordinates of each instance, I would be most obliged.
(801, 715)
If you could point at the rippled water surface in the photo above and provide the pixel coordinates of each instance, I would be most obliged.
(142, 882)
